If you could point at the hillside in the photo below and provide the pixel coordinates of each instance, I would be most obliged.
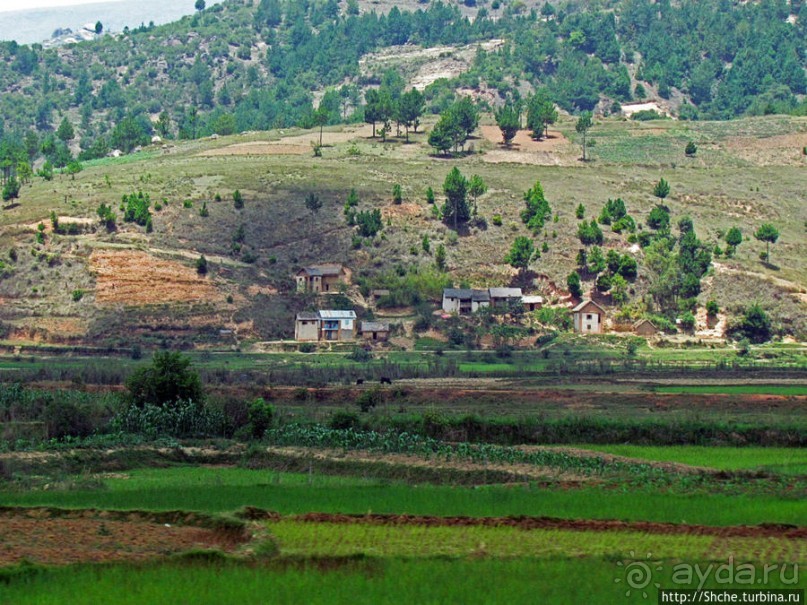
(116, 288)
(240, 66)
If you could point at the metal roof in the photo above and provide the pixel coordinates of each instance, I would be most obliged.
(532, 299)
(466, 294)
(505, 292)
(307, 316)
(328, 314)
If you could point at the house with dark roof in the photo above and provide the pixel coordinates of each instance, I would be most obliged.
(321, 278)
(374, 331)
(645, 327)
(501, 298)
(464, 301)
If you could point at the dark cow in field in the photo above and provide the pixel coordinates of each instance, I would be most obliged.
(360, 381)
(386, 380)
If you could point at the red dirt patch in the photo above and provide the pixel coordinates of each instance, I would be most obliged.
(93, 536)
(523, 140)
(527, 523)
(137, 278)
(401, 211)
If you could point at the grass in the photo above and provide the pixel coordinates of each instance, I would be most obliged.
(222, 490)
(559, 581)
(334, 539)
(788, 461)
(737, 389)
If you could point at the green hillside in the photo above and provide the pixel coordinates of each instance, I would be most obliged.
(88, 283)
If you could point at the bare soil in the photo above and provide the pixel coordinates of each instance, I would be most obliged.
(137, 278)
(62, 538)
(528, 523)
(556, 150)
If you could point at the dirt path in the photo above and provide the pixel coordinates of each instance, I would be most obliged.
(531, 523)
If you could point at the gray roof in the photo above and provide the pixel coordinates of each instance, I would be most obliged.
(505, 292)
(328, 314)
(532, 299)
(466, 294)
(307, 316)
(374, 326)
(323, 270)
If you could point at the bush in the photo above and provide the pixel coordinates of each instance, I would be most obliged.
(497, 220)
(238, 199)
(77, 295)
(307, 347)
(260, 416)
(360, 355)
(166, 381)
(344, 420)
(369, 399)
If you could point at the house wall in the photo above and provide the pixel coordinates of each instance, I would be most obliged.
(330, 283)
(476, 305)
(376, 336)
(588, 323)
(646, 330)
(451, 305)
(306, 330)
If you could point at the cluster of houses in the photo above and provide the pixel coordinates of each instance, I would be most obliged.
(343, 326)
(464, 301)
(337, 326)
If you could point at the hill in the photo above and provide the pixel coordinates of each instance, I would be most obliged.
(86, 284)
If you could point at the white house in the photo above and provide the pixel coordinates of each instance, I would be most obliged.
(589, 318)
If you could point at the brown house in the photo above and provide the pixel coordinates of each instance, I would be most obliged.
(532, 303)
(589, 318)
(645, 327)
(374, 330)
(321, 278)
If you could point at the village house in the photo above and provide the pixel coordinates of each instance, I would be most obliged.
(321, 278)
(501, 298)
(464, 301)
(325, 326)
(645, 327)
(374, 331)
(532, 303)
(306, 327)
(589, 318)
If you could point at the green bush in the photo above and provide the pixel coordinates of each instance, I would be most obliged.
(167, 380)
(260, 416)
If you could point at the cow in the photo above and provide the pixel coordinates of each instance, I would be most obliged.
(386, 380)
(360, 381)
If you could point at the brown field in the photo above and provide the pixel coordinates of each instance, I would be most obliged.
(61, 538)
(556, 150)
(137, 278)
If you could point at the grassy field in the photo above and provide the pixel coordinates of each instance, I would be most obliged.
(559, 581)
(222, 490)
(736, 389)
(789, 461)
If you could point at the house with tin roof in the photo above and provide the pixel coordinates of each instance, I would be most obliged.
(325, 325)
(321, 279)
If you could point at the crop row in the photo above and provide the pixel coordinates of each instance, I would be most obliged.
(419, 445)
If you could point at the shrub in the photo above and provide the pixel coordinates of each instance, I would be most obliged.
(497, 220)
(238, 199)
(397, 194)
(260, 416)
(712, 309)
(360, 355)
(77, 295)
(307, 347)
(167, 380)
(369, 399)
(201, 265)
